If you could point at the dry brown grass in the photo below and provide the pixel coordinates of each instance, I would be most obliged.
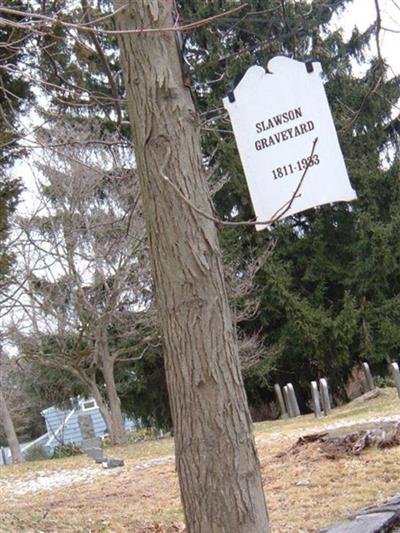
(304, 490)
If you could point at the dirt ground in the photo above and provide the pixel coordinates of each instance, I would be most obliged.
(305, 491)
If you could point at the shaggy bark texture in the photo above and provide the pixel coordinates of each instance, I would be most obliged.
(216, 459)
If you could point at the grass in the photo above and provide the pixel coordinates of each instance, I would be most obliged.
(304, 490)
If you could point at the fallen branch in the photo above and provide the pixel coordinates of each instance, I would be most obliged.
(333, 445)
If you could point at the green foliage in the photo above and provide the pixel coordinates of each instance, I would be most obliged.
(65, 450)
(143, 391)
(329, 293)
(46, 386)
(9, 193)
(383, 382)
(145, 433)
(35, 453)
(15, 93)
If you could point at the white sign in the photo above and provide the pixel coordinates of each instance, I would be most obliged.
(287, 139)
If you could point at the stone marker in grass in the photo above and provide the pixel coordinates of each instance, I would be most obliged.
(376, 519)
(281, 401)
(112, 463)
(368, 376)
(293, 400)
(85, 423)
(91, 445)
(288, 402)
(394, 367)
(92, 448)
(315, 399)
(326, 403)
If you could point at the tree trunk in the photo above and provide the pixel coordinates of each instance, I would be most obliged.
(111, 407)
(216, 459)
(114, 403)
(11, 436)
(115, 427)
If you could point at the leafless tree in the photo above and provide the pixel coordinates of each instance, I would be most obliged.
(85, 299)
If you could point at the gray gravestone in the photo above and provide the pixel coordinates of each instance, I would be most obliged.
(288, 401)
(315, 399)
(293, 400)
(281, 401)
(86, 426)
(3, 457)
(92, 448)
(394, 367)
(368, 376)
(112, 463)
(91, 445)
(373, 523)
(326, 403)
(372, 520)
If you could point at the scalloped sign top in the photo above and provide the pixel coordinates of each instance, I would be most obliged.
(287, 139)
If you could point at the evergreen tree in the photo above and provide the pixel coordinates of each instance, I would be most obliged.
(329, 291)
(14, 93)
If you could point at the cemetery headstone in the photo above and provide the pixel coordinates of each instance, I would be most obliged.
(326, 403)
(112, 463)
(293, 400)
(315, 399)
(92, 448)
(396, 376)
(288, 401)
(3, 458)
(368, 376)
(85, 423)
(91, 445)
(281, 401)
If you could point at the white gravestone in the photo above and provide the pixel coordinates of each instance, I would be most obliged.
(277, 118)
(315, 399)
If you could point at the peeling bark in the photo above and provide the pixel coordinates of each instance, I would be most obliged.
(216, 458)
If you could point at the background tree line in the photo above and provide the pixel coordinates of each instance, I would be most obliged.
(326, 296)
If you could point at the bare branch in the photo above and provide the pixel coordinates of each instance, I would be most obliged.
(86, 28)
(276, 216)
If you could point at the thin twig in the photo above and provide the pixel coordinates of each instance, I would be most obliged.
(276, 216)
(391, 30)
(378, 30)
(81, 27)
(285, 208)
(104, 61)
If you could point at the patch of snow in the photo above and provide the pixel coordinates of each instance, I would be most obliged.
(47, 481)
